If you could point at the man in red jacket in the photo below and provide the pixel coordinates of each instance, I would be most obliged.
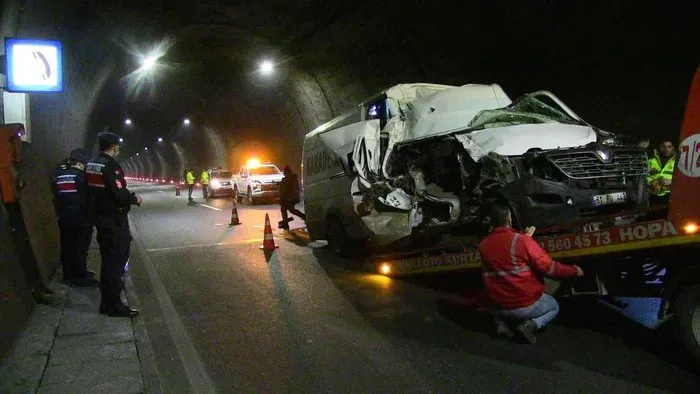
(514, 267)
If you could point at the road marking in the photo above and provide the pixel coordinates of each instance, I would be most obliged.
(210, 207)
(247, 241)
(194, 368)
(160, 191)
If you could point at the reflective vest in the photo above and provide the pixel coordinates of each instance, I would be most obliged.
(190, 178)
(657, 172)
(204, 178)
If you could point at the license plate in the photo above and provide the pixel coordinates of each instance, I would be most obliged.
(607, 199)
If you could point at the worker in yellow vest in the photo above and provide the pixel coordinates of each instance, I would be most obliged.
(189, 178)
(661, 167)
(204, 179)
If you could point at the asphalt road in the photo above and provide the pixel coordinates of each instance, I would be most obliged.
(221, 316)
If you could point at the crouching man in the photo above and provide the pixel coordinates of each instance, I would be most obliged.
(514, 267)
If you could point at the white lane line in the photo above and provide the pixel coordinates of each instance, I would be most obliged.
(210, 207)
(196, 246)
(194, 368)
(160, 191)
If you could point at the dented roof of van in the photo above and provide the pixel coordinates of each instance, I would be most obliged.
(433, 108)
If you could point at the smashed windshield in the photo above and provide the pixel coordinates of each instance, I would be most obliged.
(526, 110)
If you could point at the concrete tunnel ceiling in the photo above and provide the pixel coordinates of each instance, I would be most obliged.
(331, 55)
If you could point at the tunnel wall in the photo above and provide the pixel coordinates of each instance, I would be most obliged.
(58, 123)
(627, 80)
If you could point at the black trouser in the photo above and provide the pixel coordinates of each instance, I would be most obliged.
(189, 191)
(290, 206)
(75, 242)
(205, 190)
(659, 200)
(115, 241)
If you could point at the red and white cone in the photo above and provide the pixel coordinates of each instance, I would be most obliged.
(268, 240)
(234, 215)
(177, 189)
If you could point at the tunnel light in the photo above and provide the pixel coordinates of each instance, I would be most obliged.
(691, 228)
(186, 122)
(137, 154)
(385, 269)
(146, 148)
(149, 62)
(121, 140)
(127, 121)
(160, 139)
(267, 67)
(253, 163)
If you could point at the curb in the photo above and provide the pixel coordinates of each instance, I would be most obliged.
(149, 367)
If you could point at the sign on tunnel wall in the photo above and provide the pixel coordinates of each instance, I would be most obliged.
(34, 65)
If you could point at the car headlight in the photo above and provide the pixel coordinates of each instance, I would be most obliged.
(215, 184)
(257, 186)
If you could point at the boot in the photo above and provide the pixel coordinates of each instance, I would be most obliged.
(117, 309)
(85, 281)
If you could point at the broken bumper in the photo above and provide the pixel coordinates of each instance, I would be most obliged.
(544, 203)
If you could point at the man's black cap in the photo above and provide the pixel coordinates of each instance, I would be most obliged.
(108, 139)
(78, 154)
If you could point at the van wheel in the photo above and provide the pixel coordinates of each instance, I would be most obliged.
(687, 321)
(338, 240)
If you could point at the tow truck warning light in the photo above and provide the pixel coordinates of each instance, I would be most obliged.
(385, 269)
(691, 228)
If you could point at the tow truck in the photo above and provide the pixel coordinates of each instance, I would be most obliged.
(652, 254)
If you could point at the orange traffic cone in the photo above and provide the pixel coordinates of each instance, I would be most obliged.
(268, 240)
(234, 215)
(177, 189)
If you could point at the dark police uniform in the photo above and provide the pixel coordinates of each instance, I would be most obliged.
(71, 202)
(110, 202)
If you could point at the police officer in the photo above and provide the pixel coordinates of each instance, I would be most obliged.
(110, 202)
(204, 178)
(661, 167)
(189, 178)
(71, 202)
(289, 197)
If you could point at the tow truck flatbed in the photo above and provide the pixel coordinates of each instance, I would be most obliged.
(649, 254)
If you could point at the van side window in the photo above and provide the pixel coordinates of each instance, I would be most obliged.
(378, 110)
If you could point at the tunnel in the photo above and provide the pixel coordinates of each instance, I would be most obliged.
(617, 64)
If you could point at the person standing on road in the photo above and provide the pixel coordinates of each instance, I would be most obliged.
(110, 202)
(204, 179)
(189, 178)
(661, 167)
(289, 197)
(70, 193)
(514, 268)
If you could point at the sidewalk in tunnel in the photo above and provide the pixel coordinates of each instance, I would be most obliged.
(67, 346)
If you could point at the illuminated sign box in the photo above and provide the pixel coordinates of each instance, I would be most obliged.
(33, 65)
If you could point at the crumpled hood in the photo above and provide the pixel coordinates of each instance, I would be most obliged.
(516, 140)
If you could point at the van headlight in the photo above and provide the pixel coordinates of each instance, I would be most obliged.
(215, 184)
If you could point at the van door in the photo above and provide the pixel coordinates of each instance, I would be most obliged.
(342, 141)
(366, 155)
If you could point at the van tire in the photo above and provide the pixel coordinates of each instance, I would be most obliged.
(338, 240)
(687, 321)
